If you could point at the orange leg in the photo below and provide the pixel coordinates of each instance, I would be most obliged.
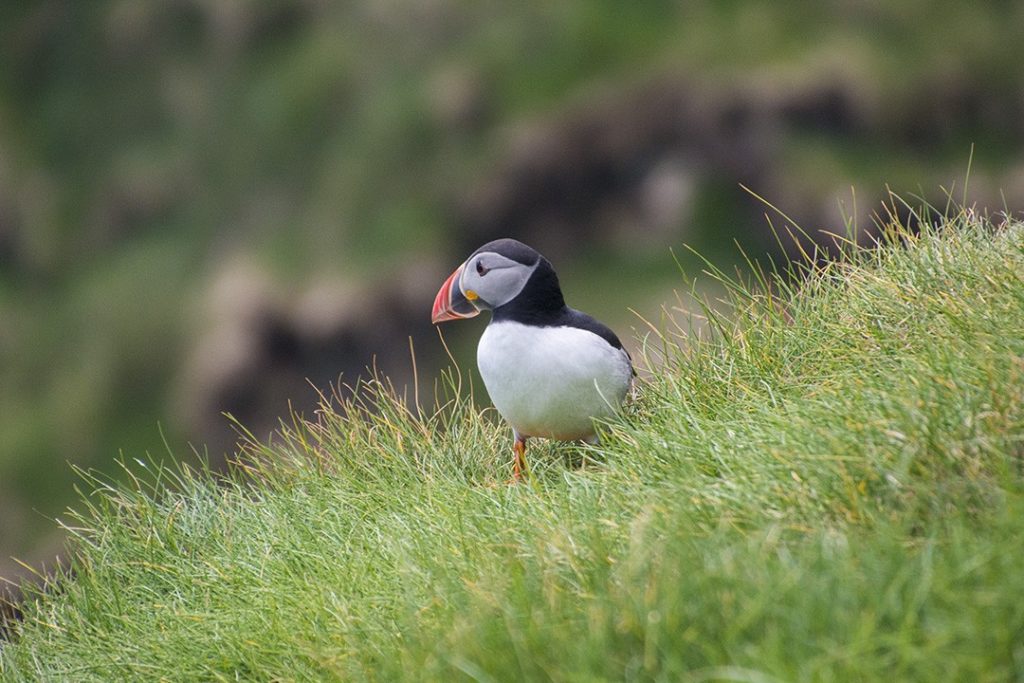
(519, 463)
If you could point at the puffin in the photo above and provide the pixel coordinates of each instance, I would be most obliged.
(550, 370)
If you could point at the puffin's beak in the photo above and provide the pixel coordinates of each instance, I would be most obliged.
(450, 304)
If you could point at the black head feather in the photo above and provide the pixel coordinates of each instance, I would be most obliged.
(511, 249)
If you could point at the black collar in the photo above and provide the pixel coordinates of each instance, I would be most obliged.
(541, 304)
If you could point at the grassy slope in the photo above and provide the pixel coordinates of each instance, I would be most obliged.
(830, 491)
(149, 142)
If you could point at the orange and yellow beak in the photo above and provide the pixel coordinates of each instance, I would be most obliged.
(450, 303)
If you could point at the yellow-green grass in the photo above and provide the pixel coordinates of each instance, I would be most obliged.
(825, 486)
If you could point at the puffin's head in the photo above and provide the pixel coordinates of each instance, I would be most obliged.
(491, 277)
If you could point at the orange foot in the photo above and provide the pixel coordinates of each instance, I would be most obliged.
(519, 463)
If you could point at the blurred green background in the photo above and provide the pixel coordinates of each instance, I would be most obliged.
(203, 203)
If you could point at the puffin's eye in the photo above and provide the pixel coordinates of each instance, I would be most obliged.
(481, 269)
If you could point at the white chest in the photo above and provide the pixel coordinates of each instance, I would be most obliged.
(552, 381)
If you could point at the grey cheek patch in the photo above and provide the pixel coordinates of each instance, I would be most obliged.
(524, 273)
(503, 283)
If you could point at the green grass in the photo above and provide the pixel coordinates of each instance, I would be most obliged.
(146, 143)
(826, 485)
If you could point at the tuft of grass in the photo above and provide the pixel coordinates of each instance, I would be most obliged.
(825, 484)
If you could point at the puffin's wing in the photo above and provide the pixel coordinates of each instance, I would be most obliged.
(586, 322)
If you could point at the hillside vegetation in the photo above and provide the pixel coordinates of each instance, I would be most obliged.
(200, 198)
(825, 484)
